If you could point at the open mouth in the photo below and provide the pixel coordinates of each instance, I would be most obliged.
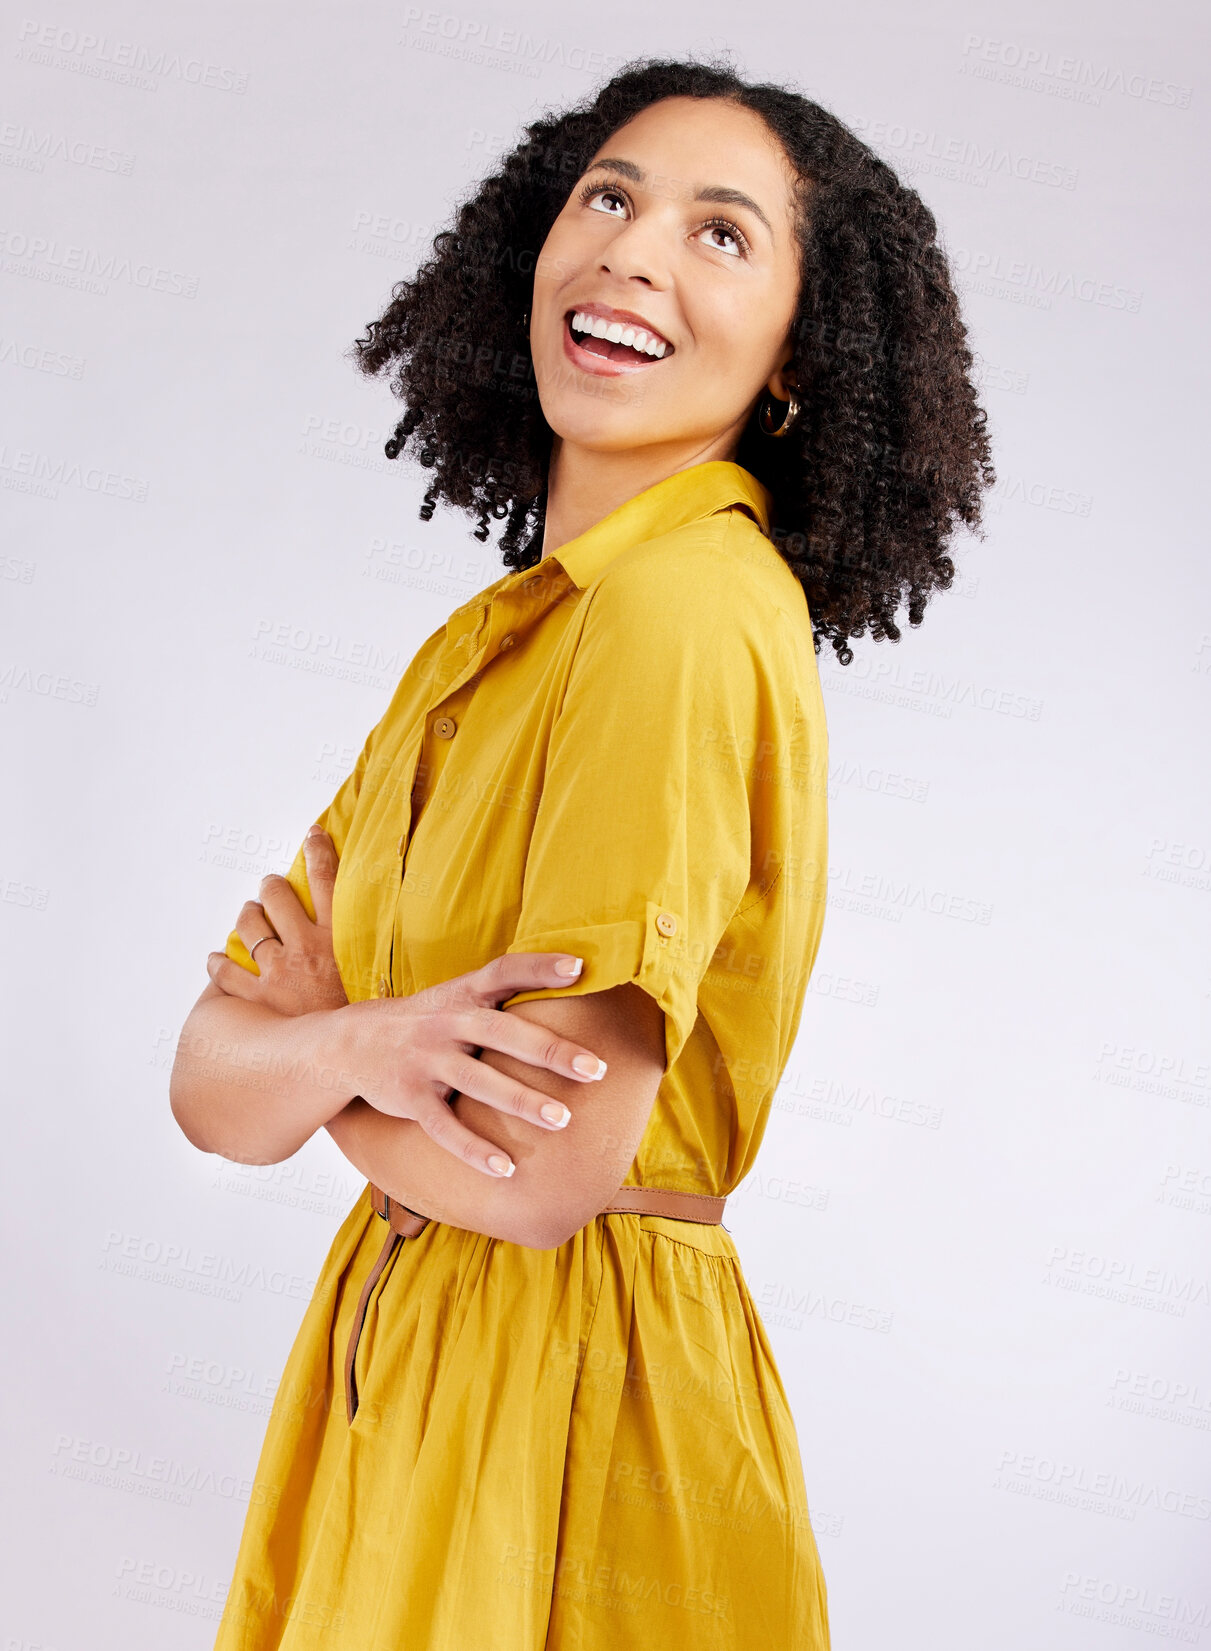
(620, 342)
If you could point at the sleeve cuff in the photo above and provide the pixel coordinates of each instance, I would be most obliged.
(651, 950)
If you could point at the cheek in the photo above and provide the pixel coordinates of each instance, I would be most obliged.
(563, 252)
(739, 332)
(722, 333)
(552, 257)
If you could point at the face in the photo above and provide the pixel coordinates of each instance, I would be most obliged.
(680, 234)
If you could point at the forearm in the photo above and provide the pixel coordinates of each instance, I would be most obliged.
(562, 1178)
(398, 1156)
(253, 1085)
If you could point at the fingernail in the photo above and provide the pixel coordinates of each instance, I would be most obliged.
(569, 966)
(555, 1113)
(589, 1066)
(316, 831)
(499, 1165)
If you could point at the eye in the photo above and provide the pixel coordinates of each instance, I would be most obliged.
(721, 226)
(594, 193)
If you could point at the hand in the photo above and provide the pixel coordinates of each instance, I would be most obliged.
(408, 1056)
(298, 971)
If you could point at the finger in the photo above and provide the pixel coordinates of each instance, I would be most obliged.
(322, 861)
(519, 972)
(253, 926)
(231, 977)
(497, 1089)
(526, 1040)
(443, 1126)
(510, 972)
(286, 911)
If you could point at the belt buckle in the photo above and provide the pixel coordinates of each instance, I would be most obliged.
(385, 1213)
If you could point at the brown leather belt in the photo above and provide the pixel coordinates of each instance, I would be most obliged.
(406, 1223)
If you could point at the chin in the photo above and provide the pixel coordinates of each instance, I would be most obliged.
(610, 419)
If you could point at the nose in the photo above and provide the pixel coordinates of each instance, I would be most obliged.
(638, 251)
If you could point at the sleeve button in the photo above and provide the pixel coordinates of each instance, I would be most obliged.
(666, 923)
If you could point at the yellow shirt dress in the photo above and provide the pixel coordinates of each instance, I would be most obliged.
(619, 753)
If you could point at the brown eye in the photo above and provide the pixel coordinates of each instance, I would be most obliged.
(590, 193)
(605, 194)
(739, 244)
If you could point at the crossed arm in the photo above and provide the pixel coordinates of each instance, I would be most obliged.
(563, 1177)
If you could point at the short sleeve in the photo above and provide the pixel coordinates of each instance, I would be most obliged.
(335, 819)
(641, 848)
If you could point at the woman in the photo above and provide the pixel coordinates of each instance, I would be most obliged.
(531, 1402)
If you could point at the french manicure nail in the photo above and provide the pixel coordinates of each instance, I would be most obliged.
(569, 966)
(589, 1066)
(555, 1113)
(500, 1166)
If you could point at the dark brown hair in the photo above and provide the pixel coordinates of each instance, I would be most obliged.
(890, 451)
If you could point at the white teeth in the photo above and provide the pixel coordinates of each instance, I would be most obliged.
(615, 332)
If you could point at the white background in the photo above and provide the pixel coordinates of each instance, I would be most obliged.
(979, 1228)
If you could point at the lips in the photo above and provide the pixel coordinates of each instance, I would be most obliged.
(604, 340)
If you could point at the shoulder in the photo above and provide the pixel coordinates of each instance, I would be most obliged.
(716, 586)
(717, 565)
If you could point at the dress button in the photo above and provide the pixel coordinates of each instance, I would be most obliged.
(508, 641)
(384, 986)
(399, 847)
(666, 923)
(444, 728)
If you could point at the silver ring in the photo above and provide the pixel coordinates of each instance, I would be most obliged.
(261, 942)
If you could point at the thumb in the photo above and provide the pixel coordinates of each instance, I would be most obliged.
(322, 860)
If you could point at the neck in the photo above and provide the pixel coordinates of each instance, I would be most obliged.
(584, 484)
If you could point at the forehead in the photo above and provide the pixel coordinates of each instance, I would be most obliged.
(682, 143)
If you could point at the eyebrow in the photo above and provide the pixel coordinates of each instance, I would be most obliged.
(717, 192)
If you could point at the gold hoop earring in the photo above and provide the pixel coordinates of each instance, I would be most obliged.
(525, 320)
(789, 419)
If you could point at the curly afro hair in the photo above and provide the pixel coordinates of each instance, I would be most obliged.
(890, 448)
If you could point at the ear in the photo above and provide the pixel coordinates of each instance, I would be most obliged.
(782, 380)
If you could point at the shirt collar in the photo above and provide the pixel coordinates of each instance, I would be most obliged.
(685, 496)
(521, 597)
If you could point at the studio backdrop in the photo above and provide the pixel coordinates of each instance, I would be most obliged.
(979, 1229)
